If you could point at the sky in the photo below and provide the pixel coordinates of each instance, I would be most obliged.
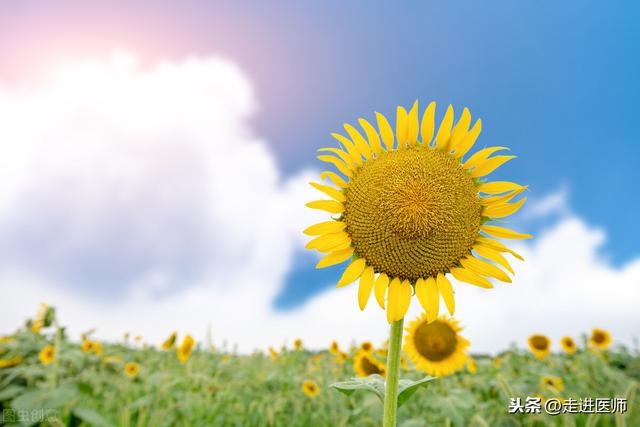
(154, 158)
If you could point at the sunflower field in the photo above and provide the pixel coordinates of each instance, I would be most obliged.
(46, 378)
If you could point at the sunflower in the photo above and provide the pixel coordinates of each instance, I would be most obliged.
(555, 382)
(600, 338)
(47, 355)
(413, 209)
(273, 353)
(496, 362)
(131, 369)
(310, 388)
(436, 347)
(170, 341)
(185, 349)
(366, 346)
(297, 344)
(568, 345)
(540, 345)
(86, 346)
(8, 363)
(334, 348)
(341, 357)
(364, 365)
(472, 366)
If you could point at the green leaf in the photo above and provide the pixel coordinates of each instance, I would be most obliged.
(374, 383)
(10, 392)
(406, 388)
(91, 417)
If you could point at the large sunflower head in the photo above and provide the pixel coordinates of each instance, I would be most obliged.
(412, 209)
(437, 347)
(600, 338)
(365, 364)
(540, 345)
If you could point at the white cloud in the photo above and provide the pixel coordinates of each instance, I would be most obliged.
(152, 178)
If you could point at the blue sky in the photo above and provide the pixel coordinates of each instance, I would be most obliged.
(555, 81)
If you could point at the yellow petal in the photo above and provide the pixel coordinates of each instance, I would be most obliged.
(401, 127)
(466, 142)
(327, 241)
(335, 258)
(380, 288)
(372, 136)
(480, 156)
(503, 233)
(412, 124)
(502, 210)
(484, 268)
(326, 227)
(427, 125)
(335, 178)
(339, 164)
(351, 149)
(494, 244)
(467, 276)
(345, 157)
(497, 200)
(366, 284)
(427, 293)
(399, 299)
(490, 165)
(498, 187)
(442, 138)
(352, 272)
(493, 255)
(358, 139)
(460, 129)
(330, 206)
(329, 191)
(385, 131)
(446, 290)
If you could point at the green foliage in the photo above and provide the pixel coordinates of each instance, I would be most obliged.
(219, 388)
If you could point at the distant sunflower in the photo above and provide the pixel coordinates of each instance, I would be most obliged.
(364, 365)
(47, 355)
(298, 344)
(310, 388)
(472, 366)
(86, 346)
(555, 382)
(132, 369)
(366, 346)
(540, 345)
(496, 362)
(412, 211)
(437, 347)
(568, 345)
(170, 341)
(273, 353)
(334, 348)
(185, 349)
(600, 339)
(8, 363)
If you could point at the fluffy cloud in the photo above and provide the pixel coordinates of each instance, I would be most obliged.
(138, 199)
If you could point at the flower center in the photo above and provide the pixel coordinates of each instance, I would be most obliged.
(412, 213)
(598, 337)
(435, 341)
(539, 343)
(368, 367)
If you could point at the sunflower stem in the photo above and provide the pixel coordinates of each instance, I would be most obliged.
(393, 366)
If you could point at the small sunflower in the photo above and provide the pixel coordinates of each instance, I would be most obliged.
(86, 346)
(413, 209)
(131, 369)
(170, 341)
(436, 347)
(47, 355)
(555, 382)
(341, 357)
(273, 353)
(334, 348)
(364, 365)
(472, 366)
(8, 363)
(310, 388)
(540, 345)
(600, 339)
(298, 344)
(366, 346)
(185, 349)
(568, 345)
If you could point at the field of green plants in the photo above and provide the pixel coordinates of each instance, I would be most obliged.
(48, 379)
